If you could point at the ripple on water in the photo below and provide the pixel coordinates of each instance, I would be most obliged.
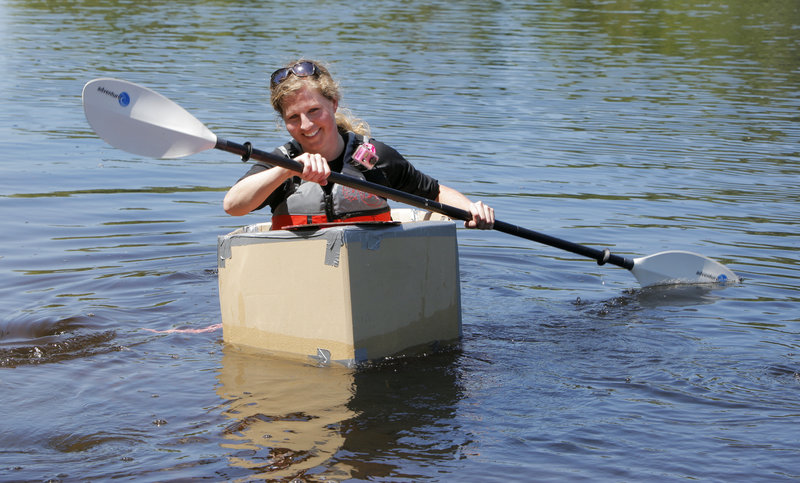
(24, 341)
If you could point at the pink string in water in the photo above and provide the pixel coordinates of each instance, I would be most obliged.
(210, 328)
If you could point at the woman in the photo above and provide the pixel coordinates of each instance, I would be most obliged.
(324, 139)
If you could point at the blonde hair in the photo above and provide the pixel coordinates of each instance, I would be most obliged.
(323, 82)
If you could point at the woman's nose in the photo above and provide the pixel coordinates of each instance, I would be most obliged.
(305, 122)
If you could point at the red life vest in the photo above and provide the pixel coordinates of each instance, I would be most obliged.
(309, 203)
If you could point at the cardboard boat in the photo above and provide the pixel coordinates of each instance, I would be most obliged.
(342, 293)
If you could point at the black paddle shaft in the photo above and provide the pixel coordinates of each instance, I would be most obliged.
(246, 151)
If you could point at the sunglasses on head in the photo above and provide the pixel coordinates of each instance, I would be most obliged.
(300, 69)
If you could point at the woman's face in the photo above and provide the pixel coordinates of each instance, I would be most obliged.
(310, 119)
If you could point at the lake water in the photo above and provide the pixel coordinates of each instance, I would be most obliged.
(637, 125)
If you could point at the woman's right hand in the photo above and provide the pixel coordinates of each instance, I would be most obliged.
(250, 192)
(315, 168)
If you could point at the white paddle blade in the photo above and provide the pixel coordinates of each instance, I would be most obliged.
(137, 120)
(679, 267)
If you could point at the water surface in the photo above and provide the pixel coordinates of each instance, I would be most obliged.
(636, 125)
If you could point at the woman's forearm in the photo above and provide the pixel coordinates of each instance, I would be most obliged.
(248, 194)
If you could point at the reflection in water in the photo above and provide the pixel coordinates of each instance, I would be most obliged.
(294, 420)
(680, 295)
(285, 415)
(404, 416)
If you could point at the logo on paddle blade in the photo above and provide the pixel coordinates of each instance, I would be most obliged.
(721, 278)
(124, 99)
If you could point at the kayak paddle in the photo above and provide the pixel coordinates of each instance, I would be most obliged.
(138, 120)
